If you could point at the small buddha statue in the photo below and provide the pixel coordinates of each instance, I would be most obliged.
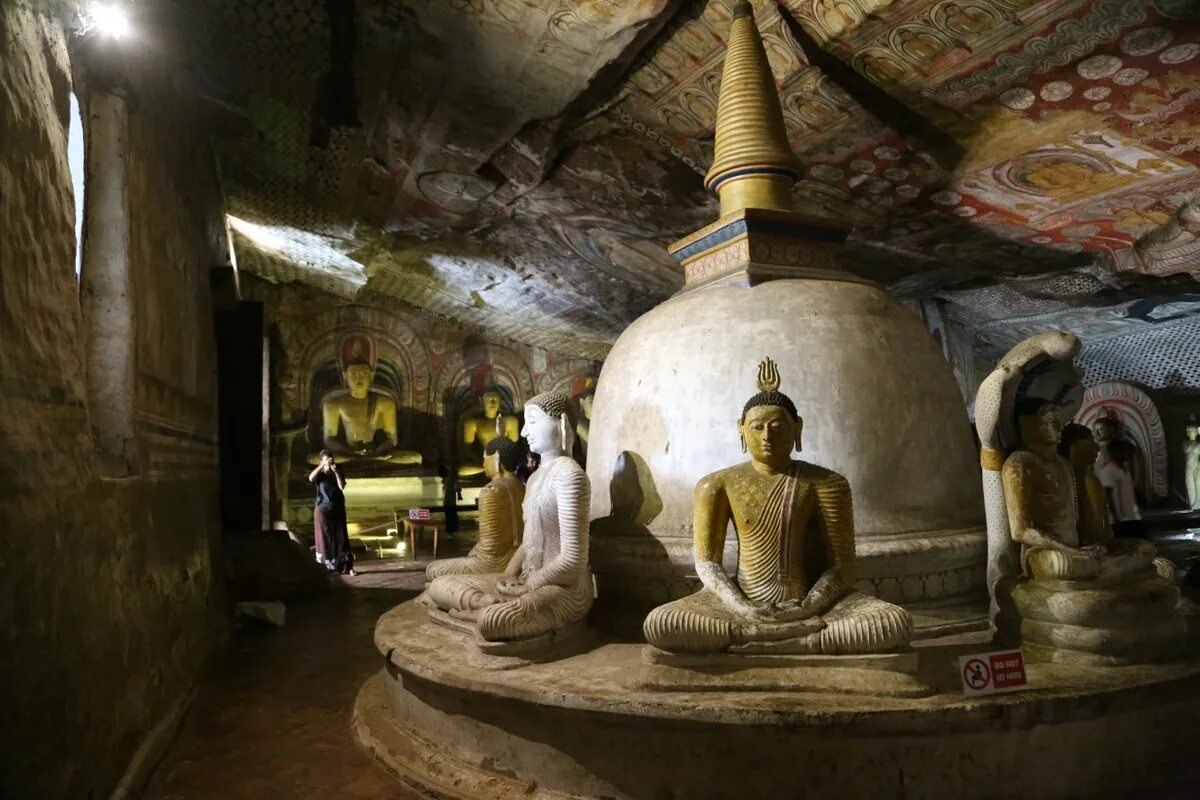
(479, 429)
(1079, 447)
(1041, 495)
(547, 585)
(583, 424)
(359, 421)
(1191, 464)
(500, 523)
(794, 591)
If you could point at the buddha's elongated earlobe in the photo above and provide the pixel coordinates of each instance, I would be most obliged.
(562, 431)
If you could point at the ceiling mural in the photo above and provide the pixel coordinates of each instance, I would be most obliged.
(521, 166)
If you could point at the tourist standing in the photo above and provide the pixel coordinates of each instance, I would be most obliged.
(329, 517)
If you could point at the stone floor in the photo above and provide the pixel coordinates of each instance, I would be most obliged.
(272, 722)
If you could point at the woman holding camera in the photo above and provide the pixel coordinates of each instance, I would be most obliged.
(329, 517)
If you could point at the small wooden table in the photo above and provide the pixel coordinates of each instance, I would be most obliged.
(412, 527)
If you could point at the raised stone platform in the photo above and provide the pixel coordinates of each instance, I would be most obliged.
(583, 727)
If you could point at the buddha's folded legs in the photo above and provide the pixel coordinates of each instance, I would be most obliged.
(468, 565)
(463, 592)
(701, 623)
(860, 623)
(698, 623)
(540, 611)
(1123, 557)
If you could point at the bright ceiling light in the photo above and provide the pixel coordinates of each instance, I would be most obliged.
(109, 19)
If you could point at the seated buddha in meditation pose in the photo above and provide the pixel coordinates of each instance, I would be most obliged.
(477, 430)
(500, 523)
(547, 585)
(359, 421)
(1051, 508)
(796, 561)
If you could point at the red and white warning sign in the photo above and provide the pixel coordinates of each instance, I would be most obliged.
(987, 673)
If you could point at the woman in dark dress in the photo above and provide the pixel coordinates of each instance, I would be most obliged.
(329, 517)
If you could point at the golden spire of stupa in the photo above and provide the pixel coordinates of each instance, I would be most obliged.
(754, 166)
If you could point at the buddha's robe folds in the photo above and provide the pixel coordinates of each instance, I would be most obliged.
(804, 530)
(553, 562)
(1041, 494)
(500, 525)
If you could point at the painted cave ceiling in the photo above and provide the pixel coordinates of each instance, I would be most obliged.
(520, 165)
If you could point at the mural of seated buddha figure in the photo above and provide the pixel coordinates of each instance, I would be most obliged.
(794, 592)
(358, 423)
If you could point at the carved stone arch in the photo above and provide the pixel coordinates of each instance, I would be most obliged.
(1140, 423)
(559, 377)
(313, 342)
(508, 370)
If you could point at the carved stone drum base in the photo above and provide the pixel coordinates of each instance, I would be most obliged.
(1079, 623)
(577, 728)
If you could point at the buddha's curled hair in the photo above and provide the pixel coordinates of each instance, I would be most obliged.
(768, 391)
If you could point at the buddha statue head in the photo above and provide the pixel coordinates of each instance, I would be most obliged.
(502, 455)
(770, 426)
(548, 426)
(585, 403)
(1105, 430)
(491, 402)
(1039, 421)
(356, 357)
(1078, 446)
(1191, 430)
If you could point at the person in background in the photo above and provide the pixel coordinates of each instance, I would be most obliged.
(532, 461)
(329, 517)
(1118, 487)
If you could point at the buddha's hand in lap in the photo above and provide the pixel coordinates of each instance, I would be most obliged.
(785, 630)
(1094, 551)
(480, 600)
(510, 588)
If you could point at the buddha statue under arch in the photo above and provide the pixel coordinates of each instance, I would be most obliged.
(794, 590)
(478, 429)
(500, 518)
(547, 586)
(359, 422)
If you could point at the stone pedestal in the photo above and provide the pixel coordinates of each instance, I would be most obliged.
(582, 727)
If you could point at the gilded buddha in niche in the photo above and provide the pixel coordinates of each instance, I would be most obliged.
(794, 590)
(358, 422)
(478, 429)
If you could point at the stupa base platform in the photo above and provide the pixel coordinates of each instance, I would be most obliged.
(579, 727)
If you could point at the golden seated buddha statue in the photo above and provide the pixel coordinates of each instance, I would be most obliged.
(500, 520)
(358, 423)
(794, 592)
(477, 430)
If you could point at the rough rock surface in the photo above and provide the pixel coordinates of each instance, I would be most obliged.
(107, 611)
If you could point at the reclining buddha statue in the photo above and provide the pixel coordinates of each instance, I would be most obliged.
(794, 592)
(1076, 593)
(547, 586)
(500, 523)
